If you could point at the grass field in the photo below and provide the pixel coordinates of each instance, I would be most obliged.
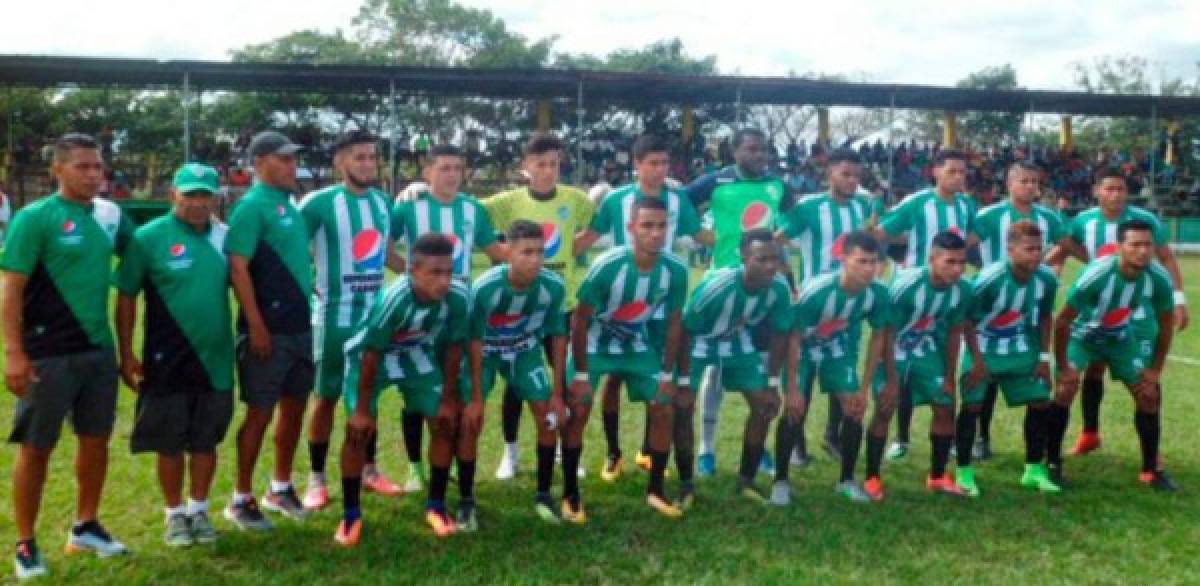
(1106, 529)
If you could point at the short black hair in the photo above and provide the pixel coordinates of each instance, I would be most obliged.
(949, 240)
(649, 143)
(71, 141)
(524, 229)
(844, 156)
(742, 134)
(444, 150)
(351, 138)
(647, 203)
(860, 240)
(1023, 166)
(756, 235)
(949, 155)
(1134, 225)
(1111, 173)
(543, 142)
(431, 244)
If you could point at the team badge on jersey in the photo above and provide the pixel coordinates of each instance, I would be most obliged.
(284, 218)
(180, 259)
(70, 233)
(368, 251)
(552, 239)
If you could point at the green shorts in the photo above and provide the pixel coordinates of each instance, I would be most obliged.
(745, 373)
(922, 377)
(329, 357)
(1125, 360)
(525, 373)
(838, 376)
(638, 371)
(1014, 374)
(422, 392)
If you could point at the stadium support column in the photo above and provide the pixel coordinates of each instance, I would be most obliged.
(688, 127)
(394, 120)
(949, 129)
(823, 127)
(187, 119)
(891, 147)
(1172, 154)
(543, 114)
(737, 108)
(1153, 146)
(579, 112)
(1066, 140)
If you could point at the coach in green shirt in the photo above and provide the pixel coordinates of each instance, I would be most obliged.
(185, 378)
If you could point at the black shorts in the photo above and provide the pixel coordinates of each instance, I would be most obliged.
(83, 385)
(289, 372)
(171, 421)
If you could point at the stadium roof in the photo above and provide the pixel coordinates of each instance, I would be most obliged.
(598, 86)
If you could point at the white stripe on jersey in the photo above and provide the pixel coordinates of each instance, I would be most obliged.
(345, 232)
(216, 237)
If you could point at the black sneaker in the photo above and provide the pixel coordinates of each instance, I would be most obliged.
(286, 503)
(1055, 472)
(91, 536)
(247, 516)
(467, 520)
(982, 449)
(1159, 480)
(27, 562)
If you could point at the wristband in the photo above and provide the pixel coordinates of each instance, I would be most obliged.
(664, 377)
(773, 381)
(581, 377)
(684, 381)
(1045, 357)
(1180, 298)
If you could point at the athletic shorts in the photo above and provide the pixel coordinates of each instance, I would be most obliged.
(922, 377)
(639, 371)
(422, 392)
(743, 374)
(82, 385)
(837, 376)
(1125, 360)
(172, 421)
(1015, 376)
(288, 372)
(525, 373)
(329, 359)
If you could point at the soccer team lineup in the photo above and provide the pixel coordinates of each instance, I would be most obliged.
(587, 302)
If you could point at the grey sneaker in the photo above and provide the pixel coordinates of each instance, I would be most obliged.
(781, 493)
(27, 562)
(247, 516)
(466, 521)
(852, 490)
(202, 529)
(982, 449)
(179, 533)
(286, 503)
(91, 536)
(897, 451)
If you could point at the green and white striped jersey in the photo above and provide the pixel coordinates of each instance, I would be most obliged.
(830, 318)
(1008, 313)
(722, 311)
(510, 321)
(465, 221)
(407, 331)
(613, 215)
(991, 227)
(1098, 235)
(350, 240)
(818, 225)
(924, 215)
(1106, 300)
(624, 299)
(921, 315)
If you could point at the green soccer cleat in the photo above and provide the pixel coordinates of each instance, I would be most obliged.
(897, 451)
(964, 477)
(543, 505)
(1037, 477)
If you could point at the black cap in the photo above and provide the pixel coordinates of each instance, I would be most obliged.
(270, 142)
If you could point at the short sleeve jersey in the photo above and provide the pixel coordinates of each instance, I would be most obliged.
(722, 311)
(624, 299)
(991, 227)
(830, 318)
(923, 215)
(921, 314)
(1008, 312)
(463, 220)
(613, 216)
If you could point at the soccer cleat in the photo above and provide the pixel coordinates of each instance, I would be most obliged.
(831, 447)
(202, 529)
(944, 485)
(439, 521)
(643, 461)
(897, 451)
(316, 497)
(965, 480)
(748, 491)
(247, 516)
(466, 521)
(1055, 473)
(544, 507)
(852, 491)
(663, 506)
(766, 464)
(874, 488)
(91, 536)
(1089, 441)
(416, 478)
(1159, 480)
(613, 467)
(377, 483)
(706, 465)
(982, 449)
(574, 515)
(800, 459)
(1036, 477)
(687, 496)
(285, 503)
(348, 534)
(27, 561)
(179, 533)
(781, 493)
(507, 470)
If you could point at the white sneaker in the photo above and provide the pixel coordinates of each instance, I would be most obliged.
(507, 469)
(95, 539)
(781, 493)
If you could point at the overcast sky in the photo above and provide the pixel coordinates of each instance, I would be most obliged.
(916, 41)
